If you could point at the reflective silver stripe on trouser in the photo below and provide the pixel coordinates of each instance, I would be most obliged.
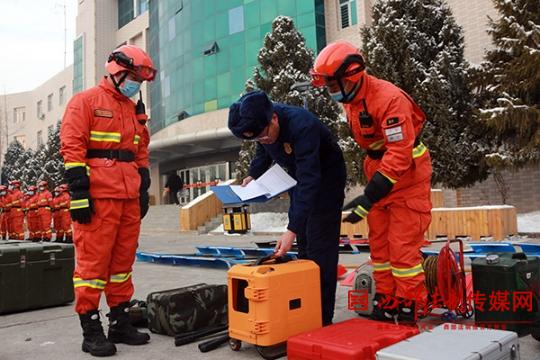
(120, 278)
(92, 283)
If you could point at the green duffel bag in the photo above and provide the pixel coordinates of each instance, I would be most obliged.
(177, 311)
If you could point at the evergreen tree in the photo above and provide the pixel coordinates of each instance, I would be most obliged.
(417, 45)
(285, 60)
(21, 170)
(53, 163)
(509, 85)
(31, 170)
(14, 151)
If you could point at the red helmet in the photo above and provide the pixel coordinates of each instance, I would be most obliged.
(340, 66)
(32, 188)
(15, 183)
(3, 187)
(42, 183)
(63, 187)
(133, 59)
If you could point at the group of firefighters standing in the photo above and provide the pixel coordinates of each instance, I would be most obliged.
(43, 211)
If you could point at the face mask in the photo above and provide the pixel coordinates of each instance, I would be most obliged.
(56, 193)
(130, 88)
(41, 189)
(30, 193)
(337, 96)
(2, 193)
(10, 187)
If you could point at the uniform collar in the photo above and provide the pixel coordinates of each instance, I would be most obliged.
(108, 87)
(363, 90)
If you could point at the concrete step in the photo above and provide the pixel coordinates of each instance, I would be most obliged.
(162, 218)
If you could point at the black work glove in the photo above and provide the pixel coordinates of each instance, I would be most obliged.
(144, 198)
(79, 189)
(361, 206)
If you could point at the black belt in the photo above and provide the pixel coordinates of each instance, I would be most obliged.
(120, 155)
(378, 154)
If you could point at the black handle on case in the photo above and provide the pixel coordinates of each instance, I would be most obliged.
(277, 260)
(214, 343)
(195, 335)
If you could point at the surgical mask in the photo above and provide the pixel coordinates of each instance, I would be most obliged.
(130, 88)
(10, 187)
(30, 193)
(337, 96)
(56, 194)
(2, 193)
(41, 188)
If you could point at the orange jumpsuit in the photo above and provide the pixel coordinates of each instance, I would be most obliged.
(4, 215)
(32, 217)
(397, 223)
(45, 215)
(16, 215)
(61, 217)
(102, 119)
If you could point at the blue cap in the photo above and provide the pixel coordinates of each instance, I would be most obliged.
(250, 115)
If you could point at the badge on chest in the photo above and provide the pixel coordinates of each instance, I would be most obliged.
(287, 148)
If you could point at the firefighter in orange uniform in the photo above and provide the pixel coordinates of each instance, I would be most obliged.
(16, 213)
(61, 216)
(386, 122)
(4, 212)
(45, 215)
(33, 220)
(104, 142)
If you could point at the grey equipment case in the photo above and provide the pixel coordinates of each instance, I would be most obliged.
(455, 342)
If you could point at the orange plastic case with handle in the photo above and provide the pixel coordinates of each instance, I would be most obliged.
(272, 301)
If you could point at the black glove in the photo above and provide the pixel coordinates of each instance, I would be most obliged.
(79, 187)
(144, 198)
(361, 206)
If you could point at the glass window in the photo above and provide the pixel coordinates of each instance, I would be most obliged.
(347, 13)
(251, 14)
(78, 64)
(40, 113)
(172, 28)
(49, 102)
(62, 95)
(236, 20)
(126, 12)
(39, 138)
(142, 6)
(19, 115)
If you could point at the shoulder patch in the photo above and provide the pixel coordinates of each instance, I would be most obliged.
(103, 113)
(392, 121)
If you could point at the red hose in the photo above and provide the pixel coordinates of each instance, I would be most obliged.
(449, 278)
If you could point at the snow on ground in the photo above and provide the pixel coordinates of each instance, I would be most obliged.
(277, 223)
(529, 222)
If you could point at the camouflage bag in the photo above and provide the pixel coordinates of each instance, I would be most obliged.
(173, 312)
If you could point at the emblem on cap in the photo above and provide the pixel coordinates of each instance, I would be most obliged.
(288, 148)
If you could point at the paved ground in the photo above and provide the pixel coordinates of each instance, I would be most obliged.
(55, 333)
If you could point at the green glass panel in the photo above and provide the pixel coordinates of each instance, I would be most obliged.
(305, 6)
(237, 56)
(187, 95)
(187, 41)
(237, 38)
(196, 31)
(238, 79)
(209, 29)
(249, 72)
(224, 102)
(354, 19)
(305, 20)
(198, 108)
(222, 25)
(265, 29)
(253, 34)
(210, 88)
(198, 69)
(287, 7)
(210, 65)
(269, 10)
(197, 90)
(224, 84)
(311, 37)
(252, 51)
(222, 60)
(251, 14)
(197, 10)
(211, 105)
(209, 7)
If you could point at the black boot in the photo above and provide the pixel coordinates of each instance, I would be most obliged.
(407, 314)
(385, 308)
(68, 240)
(94, 341)
(120, 328)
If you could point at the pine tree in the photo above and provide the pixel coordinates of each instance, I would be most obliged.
(14, 151)
(21, 171)
(509, 85)
(417, 45)
(32, 169)
(53, 163)
(285, 60)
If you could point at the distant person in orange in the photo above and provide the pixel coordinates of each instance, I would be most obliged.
(61, 215)
(15, 203)
(4, 212)
(33, 221)
(45, 214)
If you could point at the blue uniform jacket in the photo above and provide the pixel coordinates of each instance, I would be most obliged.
(309, 153)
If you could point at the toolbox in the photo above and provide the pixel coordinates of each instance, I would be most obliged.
(455, 342)
(355, 339)
(273, 300)
(35, 275)
(507, 289)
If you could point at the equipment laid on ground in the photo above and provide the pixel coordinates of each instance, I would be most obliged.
(364, 289)
(271, 301)
(455, 342)
(513, 281)
(192, 308)
(349, 340)
(35, 275)
(236, 219)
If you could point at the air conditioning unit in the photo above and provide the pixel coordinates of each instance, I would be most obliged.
(41, 116)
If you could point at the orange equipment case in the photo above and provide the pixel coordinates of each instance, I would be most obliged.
(269, 302)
